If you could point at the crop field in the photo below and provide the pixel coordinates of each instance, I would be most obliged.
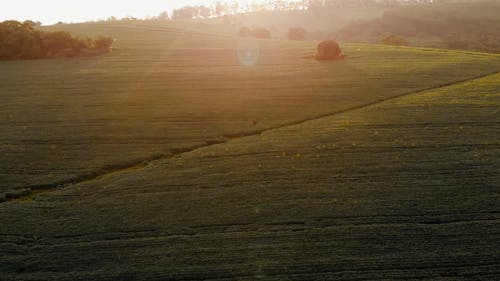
(170, 159)
(406, 188)
(168, 88)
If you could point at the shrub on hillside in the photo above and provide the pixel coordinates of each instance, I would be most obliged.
(328, 50)
(163, 16)
(103, 43)
(394, 40)
(22, 41)
(57, 41)
(296, 33)
(261, 32)
(245, 32)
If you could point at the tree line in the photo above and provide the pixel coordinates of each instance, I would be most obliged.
(452, 33)
(222, 8)
(22, 40)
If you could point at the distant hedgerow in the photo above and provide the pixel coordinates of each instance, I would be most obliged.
(20, 41)
(261, 32)
(103, 43)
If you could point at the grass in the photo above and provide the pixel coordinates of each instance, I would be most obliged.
(402, 189)
(169, 87)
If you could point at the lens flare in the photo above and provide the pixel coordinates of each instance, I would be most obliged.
(248, 51)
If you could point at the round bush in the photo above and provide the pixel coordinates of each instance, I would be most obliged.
(328, 50)
(261, 32)
(245, 32)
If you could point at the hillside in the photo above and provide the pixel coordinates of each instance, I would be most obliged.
(456, 25)
(402, 189)
(465, 25)
(191, 154)
(160, 93)
(320, 23)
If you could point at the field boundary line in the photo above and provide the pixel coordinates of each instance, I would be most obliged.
(358, 107)
(31, 191)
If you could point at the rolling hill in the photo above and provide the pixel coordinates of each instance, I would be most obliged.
(169, 159)
(160, 92)
(466, 25)
(402, 189)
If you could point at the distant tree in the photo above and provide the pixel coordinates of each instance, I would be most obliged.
(234, 7)
(245, 32)
(30, 24)
(204, 12)
(129, 18)
(315, 4)
(280, 5)
(296, 33)
(103, 43)
(57, 41)
(228, 7)
(163, 16)
(328, 50)
(24, 41)
(261, 32)
(221, 8)
(187, 12)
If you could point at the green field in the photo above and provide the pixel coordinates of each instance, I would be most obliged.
(170, 160)
(168, 88)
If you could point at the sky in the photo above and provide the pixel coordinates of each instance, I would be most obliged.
(52, 11)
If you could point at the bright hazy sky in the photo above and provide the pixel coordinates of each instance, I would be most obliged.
(52, 11)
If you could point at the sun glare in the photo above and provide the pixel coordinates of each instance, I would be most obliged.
(52, 11)
(248, 51)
